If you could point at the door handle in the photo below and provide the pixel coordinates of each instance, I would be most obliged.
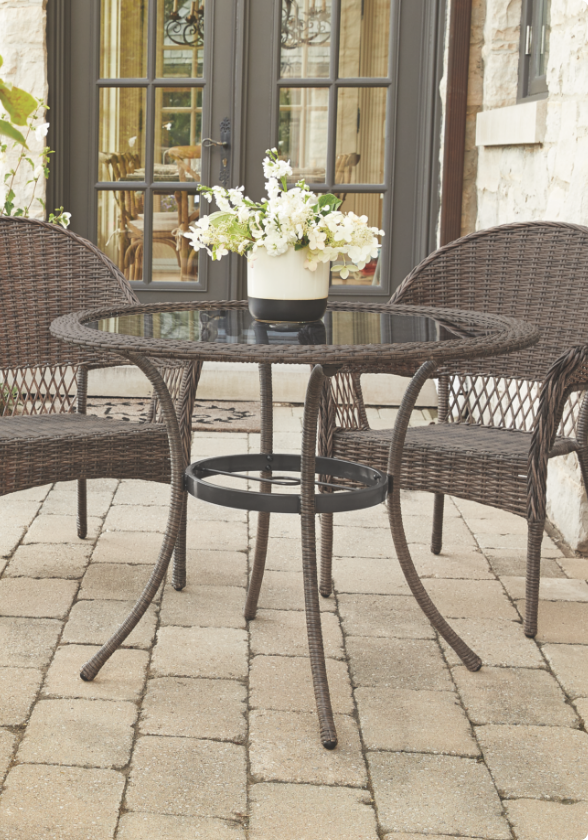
(225, 144)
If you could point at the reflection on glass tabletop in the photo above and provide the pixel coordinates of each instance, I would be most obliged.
(232, 326)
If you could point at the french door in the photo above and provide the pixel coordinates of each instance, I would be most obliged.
(162, 95)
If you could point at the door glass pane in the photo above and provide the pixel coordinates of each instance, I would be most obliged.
(363, 46)
(180, 39)
(173, 257)
(120, 229)
(305, 39)
(362, 204)
(121, 154)
(123, 39)
(361, 136)
(178, 134)
(303, 132)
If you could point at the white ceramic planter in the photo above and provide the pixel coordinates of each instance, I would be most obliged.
(280, 288)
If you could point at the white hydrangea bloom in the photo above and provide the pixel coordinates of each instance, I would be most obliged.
(287, 218)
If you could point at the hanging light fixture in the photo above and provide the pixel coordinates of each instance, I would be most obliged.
(186, 30)
(300, 28)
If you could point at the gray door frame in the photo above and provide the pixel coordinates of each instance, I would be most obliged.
(243, 61)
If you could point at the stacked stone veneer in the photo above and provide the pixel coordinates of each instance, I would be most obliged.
(526, 182)
(23, 48)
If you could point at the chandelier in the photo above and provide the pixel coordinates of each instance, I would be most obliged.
(186, 30)
(299, 28)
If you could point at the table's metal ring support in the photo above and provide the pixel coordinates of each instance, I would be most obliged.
(375, 489)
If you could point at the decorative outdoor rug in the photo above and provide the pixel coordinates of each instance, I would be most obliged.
(208, 416)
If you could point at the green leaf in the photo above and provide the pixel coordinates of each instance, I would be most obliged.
(19, 104)
(1, 61)
(329, 202)
(9, 130)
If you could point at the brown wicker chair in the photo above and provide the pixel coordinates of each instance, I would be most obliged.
(500, 419)
(45, 434)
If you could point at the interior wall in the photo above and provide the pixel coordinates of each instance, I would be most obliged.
(24, 50)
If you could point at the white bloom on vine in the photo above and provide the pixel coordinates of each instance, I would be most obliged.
(64, 219)
(236, 196)
(38, 171)
(132, 141)
(41, 131)
(222, 201)
(276, 168)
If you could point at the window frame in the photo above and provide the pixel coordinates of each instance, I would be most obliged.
(532, 85)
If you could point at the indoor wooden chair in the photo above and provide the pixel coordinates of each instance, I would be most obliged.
(501, 419)
(45, 433)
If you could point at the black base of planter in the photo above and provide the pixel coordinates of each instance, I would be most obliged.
(293, 311)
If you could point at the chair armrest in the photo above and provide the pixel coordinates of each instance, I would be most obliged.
(568, 373)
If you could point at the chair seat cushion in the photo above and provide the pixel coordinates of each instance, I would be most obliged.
(481, 463)
(40, 449)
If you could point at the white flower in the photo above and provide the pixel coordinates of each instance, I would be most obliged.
(38, 171)
(167, 125)
(132, 141)
(41, 131)
(65, 219)
(236, 196)
(276, 168)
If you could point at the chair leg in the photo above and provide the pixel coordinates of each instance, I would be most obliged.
(326, 581)
(534, 540)
(82, 509)
(437, 536)
(179, 566)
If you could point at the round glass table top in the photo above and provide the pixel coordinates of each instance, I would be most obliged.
(358, 334)
(224, 326)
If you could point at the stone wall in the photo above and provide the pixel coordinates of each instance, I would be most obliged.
(23, 48)
(542, 181)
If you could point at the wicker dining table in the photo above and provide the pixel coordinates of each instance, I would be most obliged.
(412, 341)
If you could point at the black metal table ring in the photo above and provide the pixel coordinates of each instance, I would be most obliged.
(341, 498)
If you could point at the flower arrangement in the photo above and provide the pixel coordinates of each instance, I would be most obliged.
(295, 218)
(20, 109)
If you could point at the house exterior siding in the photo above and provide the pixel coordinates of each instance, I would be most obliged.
(522, 182)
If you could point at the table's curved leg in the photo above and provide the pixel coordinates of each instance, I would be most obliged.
(263, 518)
(466, 654)
(184, 411)
(311, 594)
(93, 666)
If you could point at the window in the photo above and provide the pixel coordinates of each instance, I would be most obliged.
(534, 49)
(335, 89)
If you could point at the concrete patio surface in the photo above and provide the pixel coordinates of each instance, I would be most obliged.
(204, 725)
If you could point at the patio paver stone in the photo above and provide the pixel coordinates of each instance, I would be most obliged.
(121, 678)
(535, 820)
(436, 793)
(18, 690)
(285, 747)
(87, 733)
(193, 708)
(308, 812)
(536, 761)
(52, 803)
(187, 777)
(513, 696)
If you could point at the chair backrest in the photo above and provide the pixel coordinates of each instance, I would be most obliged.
(537, 271)
(46, 271)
